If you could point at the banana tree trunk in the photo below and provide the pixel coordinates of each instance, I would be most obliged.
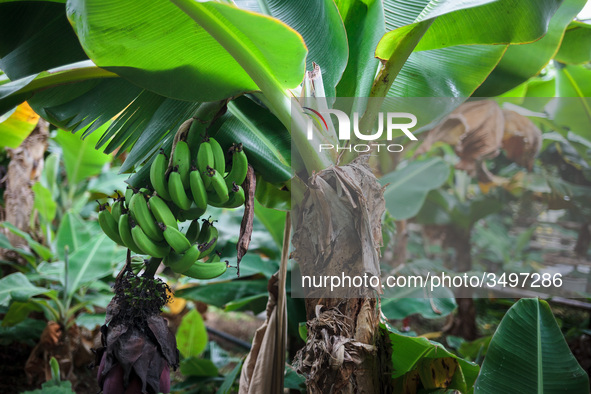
(338, 232)
(26, 164)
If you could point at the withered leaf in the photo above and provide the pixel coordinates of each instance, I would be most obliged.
(474, 129)
(522, 140)
(249, 187)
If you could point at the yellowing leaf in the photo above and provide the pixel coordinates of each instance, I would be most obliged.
(18, 126)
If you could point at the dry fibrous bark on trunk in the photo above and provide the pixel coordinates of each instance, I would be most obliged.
(338, 231)
(26, 164)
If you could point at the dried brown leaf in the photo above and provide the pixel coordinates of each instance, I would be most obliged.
(522, 139)
(474, 129)
(249, 187)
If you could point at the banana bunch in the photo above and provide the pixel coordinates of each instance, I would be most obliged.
(146, 225)
(193, 180)
(146, 220)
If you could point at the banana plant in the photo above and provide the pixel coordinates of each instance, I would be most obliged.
(149, 66)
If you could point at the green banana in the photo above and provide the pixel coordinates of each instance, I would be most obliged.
(204, 231)
(138, 207)
(218, 184)
(193, 231)
(180, 263)
(237, 198)
(205, 159)
(210, 239)
(219, 159)
(158, 175)
(162, 212)
(175, 238)
(108, 223)
(117, 208)
(198, 189)
(177, 190)
(125, 233)
(129, 192)
(181, 158)
(239, 168)
(207, 270)
(148, 246)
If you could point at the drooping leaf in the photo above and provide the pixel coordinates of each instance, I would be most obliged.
(528, 353)
(522, 62)
(81, 159)
(191, 336)
(404, 198)
(157, 46)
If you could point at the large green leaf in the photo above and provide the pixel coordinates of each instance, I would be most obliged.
(364, 22)
(157, 46)
(18, 288)
(576, 44)
(95, 260)
(34, 37)
(81, 159)
(468, 22)
(522, 62)
(408, 187)
(459, 69)
(322, 29)
(266, 141)
(528, 354)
